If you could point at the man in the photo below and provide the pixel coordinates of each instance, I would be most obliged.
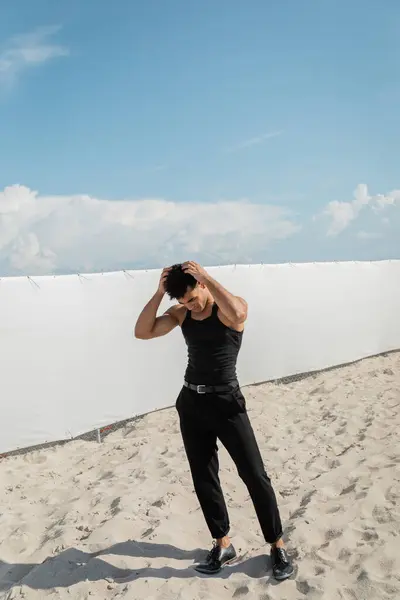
(211, 405)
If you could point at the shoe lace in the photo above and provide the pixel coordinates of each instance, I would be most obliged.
(281, 555)
(213, 554)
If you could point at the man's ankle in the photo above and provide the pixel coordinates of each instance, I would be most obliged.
(278, 544)
(224, 542)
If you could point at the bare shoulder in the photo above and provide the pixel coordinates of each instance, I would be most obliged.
(237, 325)
(177, 312)
(244, 310)
(242, 300)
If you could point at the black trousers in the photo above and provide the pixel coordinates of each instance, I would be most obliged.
(203, 419)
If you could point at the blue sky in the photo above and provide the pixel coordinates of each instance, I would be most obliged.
(224, 131)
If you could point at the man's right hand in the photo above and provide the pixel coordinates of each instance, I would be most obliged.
(161, 285)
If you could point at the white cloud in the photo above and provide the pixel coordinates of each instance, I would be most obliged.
(392, 199)
(342, 214)
(28, 50)
(254, 141)
(49, 234)
(27, 254)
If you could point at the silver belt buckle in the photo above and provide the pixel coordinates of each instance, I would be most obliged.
(201, 389)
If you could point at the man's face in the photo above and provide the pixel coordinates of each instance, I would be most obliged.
(194, 299)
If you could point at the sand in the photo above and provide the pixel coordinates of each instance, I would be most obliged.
(120, 519)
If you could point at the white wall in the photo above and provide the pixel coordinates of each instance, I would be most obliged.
(69, 361)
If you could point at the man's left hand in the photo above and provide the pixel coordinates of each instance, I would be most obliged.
(192, 268)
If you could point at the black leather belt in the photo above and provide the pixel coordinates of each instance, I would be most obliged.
(210, 389)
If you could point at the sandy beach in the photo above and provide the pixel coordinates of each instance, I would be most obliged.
(120, 519)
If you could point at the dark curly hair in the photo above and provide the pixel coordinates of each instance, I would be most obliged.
(178, 282)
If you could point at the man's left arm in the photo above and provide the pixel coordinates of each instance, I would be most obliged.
(233, 307)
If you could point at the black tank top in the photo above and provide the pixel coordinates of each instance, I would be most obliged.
(212, 350)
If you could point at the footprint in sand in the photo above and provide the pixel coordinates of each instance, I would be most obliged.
(149, 532)
(361, 495)
(345, 450)
(303, 587)
(340, 431)
(350, 488)
(158, 503)
(334, 509)
(392, 495)
(241, 591)
(328, 416)
(344, 554)
(318, 390)
(333, 534)
(382, 515)
(287, 492)
(114, 506)
(306, 499)
(354, 568)
(370, 535)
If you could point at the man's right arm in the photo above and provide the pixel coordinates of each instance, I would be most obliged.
(149, 326)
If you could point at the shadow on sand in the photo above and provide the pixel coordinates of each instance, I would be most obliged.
(72, 566)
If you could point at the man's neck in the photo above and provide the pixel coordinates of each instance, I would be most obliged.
(210, 301)
(206, 312)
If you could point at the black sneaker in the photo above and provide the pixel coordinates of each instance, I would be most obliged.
(216, 559)
(282, 568)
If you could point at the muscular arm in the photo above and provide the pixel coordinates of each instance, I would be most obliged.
(149, 326)
(233, 307)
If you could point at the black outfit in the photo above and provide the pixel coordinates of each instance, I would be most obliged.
(210, 406)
